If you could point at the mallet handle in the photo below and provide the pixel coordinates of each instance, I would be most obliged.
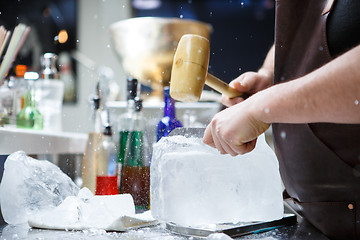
(223, 87)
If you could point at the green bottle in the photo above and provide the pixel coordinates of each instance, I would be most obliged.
(136, 167)
(124, 123)
(29, 116)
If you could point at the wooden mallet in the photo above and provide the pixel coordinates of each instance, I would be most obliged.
(190, 71)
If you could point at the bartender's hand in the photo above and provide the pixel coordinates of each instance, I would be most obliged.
(250, 83)
(235, 130)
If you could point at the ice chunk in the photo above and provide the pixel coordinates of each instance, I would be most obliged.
(89, 212)
(101, 211)
(29, 186)
(192, 184)
(85, 211)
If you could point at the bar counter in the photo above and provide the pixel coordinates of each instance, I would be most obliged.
(300, 231)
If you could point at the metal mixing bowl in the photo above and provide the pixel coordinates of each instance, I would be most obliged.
(146, 46)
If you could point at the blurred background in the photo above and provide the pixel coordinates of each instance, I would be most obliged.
(78, 32)
(242, 34)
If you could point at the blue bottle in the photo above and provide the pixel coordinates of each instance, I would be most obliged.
(169, 121)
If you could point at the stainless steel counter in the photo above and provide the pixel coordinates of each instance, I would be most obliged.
(300, 231)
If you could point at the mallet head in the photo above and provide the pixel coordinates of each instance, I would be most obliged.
(190, 66)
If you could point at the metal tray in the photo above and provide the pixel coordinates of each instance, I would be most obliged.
(233, 230)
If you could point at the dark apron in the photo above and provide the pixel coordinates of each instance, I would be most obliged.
(319, 162)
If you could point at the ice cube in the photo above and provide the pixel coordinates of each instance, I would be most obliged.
(29, 186)
(192, 184)
(85, 211)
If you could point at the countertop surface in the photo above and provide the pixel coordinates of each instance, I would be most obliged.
(13, 139)
(300, 231)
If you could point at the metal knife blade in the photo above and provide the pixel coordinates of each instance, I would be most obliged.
(188, 132)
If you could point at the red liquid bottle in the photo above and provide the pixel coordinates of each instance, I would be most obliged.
(106, 176)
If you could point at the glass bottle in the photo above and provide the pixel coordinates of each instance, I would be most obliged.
(29, 116)
(92, 150)
(169, 121)
(124, 121)
(106, 177)
(50, 93)
(67, 77)
(19, 87)
(136, 168)
(6, 103)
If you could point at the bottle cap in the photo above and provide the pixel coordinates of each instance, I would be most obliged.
(20, 70)
(138, 104)
(48, 63)
(108, 130)
(96, 101)
(97, 98)
(132, 85)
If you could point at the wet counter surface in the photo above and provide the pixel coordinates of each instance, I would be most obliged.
(301, 231)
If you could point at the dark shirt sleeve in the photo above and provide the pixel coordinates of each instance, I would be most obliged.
(343, 26)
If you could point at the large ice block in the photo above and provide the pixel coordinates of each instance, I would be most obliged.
(193, 184)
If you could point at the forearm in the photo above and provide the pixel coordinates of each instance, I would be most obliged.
(268, 65)
(329, 94)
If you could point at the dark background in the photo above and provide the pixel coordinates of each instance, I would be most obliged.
(243, 30)
(46, 18)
